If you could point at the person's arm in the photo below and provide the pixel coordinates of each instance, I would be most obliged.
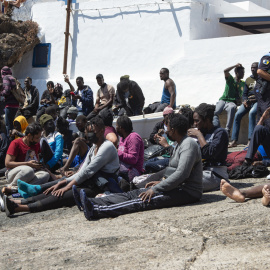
(227, 70)
(71, 87)
(104, 155)
(87, 99)
(132, 156)
(245, 94)
(3, 146)
(169, 84)
(187, 158)
(192, 132)
(110, 101)
(265, 75)
(265, 116)
(213, 149)
(34, 104)
(58, 151)
(112, 138)
(10, 163)
(157, 127)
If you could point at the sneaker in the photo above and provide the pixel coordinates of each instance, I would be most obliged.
(88, 207)
(268, 177)
(2, 204)
(9, 206)
(77, 198)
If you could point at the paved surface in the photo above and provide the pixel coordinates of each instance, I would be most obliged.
(215, 233)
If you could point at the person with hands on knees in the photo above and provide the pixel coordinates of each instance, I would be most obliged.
(17, 162)
(98, 170)
(213, 143)
(179, 184)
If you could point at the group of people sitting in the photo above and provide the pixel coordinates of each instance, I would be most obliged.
(108, 171)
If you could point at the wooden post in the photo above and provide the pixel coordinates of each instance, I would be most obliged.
(66, 37)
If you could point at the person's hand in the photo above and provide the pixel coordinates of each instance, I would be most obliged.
(151, 184)
(245, 104)
(66, 78)
(162, 141)
(96, 110)
(115, 108)
(34, 164)
(148, 194)
(13, 132)
(60, 192)
(161, 132)
(48, 101)
(69, 173)
(77, 96)
(193, 132)
(256, 163)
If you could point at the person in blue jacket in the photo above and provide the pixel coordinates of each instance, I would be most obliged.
(82, 98)
(51, 144)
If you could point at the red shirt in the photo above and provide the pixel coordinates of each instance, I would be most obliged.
(21, 151)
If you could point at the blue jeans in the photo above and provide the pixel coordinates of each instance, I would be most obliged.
(156, 164)
(238, 117)
(9, 118)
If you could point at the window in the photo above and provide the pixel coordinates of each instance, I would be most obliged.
(41, 56)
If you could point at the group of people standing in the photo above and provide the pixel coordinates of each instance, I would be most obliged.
(109, 176)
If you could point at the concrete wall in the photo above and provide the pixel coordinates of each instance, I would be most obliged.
(139, 41)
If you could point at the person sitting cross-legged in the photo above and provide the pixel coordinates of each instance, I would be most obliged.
(261, 191)
(95, 176)
(179, 184)
(213, 142)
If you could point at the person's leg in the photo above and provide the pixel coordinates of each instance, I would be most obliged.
(240, 195)
(237, 122)
(230, 108)
(91, 115)
(124, 203)
(161, 107)
(42, 177)
(210, 181)
(79, 147)
(156, 164)
(151, 108)
(41, 111)
(63, 112)
(9, 117)
(121, 112)
(24, 173)
(28, 113)
(46, 150)
(219, 109)
(261, 136)
(252, 120)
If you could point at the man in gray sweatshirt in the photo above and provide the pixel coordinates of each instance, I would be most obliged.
(179, 184)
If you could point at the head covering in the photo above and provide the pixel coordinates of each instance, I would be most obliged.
(72, 109)
(167, 110)
(6, 71)
(124, 77)
(44, 118)
(23, 122)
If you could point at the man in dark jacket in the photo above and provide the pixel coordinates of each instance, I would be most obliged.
(82, 98)
(129, 98)
(30, 106)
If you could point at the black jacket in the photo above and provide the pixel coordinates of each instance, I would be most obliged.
(34, 101)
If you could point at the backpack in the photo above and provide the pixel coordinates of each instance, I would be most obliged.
(18, 92)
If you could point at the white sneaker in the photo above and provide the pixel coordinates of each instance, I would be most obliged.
(2, 205)
(268, 177)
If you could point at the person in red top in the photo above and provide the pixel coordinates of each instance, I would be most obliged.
(22, 158)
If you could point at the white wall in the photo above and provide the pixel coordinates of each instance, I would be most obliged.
(139, 41)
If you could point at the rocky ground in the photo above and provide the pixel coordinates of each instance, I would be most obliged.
(215, 233)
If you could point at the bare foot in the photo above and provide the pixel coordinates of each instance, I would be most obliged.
(231, 192)
(7, 190)
(266, 195)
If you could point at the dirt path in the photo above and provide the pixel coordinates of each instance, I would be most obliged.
(216, 233)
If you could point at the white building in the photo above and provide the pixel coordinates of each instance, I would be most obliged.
(138, 37)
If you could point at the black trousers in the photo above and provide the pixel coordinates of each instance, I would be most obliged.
(26, 113)
(262, 105)
(44, 202)
(260, 136)
(125, 203)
